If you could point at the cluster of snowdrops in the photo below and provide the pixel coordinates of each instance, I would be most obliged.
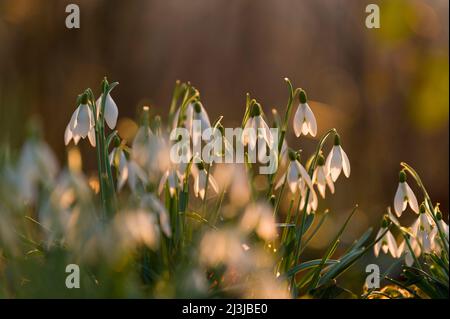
(146, 226)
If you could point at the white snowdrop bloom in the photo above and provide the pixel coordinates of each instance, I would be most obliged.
(304, 119)
(295, 174)
(186, 120)
(200, 178)
(141, 145)
(135, 228)
(256, 128)
(259, 217)
(111, 110)
(387, 243)
(406, 251)
(37, 164)
(422, 229)
(199, 114)
(321, 177)
(169, 177)
(151, 202)
(128, 170)
(136, 175)
(337, 161)
(404, 196)
(436, 241)
(313, 200)
(81, 124)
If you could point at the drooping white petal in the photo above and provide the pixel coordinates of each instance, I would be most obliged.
(399, 200)
(73, 119)
(392, 244)
(91, 137)
(345, 162)
(292, 177)
(335, 167)
(249, 134)
(412, 200)
(67, 135)
(304, 175)
(377, 246)
(83, 121)
(264, 130)
(111, 112)
(298, 121)
(310, 120)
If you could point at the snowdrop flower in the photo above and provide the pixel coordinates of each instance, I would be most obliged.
(37, 164)
(82, 123)
(200, 179)
(111, 110)
(337, 160)
(436, 242)
(404, 196)
(313, 200)
(135, 228)
(295, 174)
(186, 119)
(150, 201)
(387, 243)
(408, 255)
(169, 178)
(422, 229)
(193, 111)
(304, 120)
(128, 170)
(259, 217)
(321, 177)
(256, 128)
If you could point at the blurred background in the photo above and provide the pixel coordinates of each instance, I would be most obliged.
(385, 90)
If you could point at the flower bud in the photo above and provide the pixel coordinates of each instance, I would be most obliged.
(302, 96)
(337, 140)
(422, 208)
(385, 221)
(197, 107)
(84, 98)
(256, 110)
(321, 160)
(292, 155)
(402, 176)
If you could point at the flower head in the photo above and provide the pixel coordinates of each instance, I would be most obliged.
(81, 123)
(387, 243)
(404, 196)
(304, 120)
(111, 111)
(256, 128)
(201, 178)
(337, 160)
(321, 177)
